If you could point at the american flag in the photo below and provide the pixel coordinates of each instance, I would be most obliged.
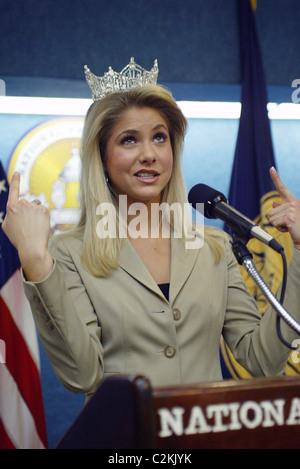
(22, 420)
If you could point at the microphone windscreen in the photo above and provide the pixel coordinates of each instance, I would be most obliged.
(203, 194)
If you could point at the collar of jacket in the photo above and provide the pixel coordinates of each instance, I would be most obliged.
(182, 263)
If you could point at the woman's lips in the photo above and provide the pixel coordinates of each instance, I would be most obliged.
(147, 177)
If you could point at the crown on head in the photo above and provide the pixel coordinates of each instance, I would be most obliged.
(132, 76)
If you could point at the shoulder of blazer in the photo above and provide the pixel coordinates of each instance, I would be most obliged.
(65, 244)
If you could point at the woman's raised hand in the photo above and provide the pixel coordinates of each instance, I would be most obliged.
(27, 225)
(286, 216)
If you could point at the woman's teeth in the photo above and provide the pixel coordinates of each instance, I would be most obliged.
(146, 175)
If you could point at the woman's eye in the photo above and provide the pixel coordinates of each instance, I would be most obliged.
(161, 137)
(127, 140)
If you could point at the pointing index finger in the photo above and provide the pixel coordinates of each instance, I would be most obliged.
(283, 191)
(14, 190)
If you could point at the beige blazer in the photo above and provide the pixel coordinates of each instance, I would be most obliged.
(94, 327)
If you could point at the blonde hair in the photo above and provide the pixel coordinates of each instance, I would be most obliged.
(100, 256)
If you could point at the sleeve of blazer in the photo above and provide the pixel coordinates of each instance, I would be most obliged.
(67, 324)
(260, 350)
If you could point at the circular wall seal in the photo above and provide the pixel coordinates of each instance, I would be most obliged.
(48, 160)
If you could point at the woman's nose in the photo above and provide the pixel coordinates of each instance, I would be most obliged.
(148, 153)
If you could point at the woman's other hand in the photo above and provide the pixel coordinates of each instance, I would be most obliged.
(27, 225)
(286, 216)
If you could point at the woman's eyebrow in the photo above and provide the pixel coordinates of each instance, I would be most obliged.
(158, 126)
(128, 131)
(136, 132)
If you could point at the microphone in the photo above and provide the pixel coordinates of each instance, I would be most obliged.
(216, 206)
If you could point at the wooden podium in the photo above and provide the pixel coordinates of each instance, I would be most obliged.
(126, 413)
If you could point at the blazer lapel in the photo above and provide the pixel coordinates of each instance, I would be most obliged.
(130, 261)
(182, 262)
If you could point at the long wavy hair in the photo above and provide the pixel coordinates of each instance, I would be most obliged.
(100, 256)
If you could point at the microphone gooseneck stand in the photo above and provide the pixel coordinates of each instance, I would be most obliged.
(244, 258)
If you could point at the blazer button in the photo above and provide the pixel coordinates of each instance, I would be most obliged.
(176, 314)
(169, 351)
(49, 325)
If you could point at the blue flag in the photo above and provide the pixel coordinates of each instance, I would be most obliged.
(251, 189)
(254, 155)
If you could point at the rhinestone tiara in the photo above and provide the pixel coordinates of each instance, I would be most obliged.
(132, 76)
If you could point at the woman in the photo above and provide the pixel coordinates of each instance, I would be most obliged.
(117, 303)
